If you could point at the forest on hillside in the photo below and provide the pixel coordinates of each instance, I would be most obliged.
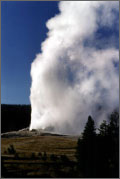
(15, 117)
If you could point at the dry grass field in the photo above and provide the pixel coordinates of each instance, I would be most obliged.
(33, 156)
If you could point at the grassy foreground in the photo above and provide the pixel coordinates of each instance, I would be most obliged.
(38, 156)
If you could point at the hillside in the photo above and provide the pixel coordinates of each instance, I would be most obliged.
(15, 117)
(37, 155)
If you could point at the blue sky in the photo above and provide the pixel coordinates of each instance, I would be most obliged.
(22, 31)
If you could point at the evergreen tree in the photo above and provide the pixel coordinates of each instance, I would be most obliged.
(89, 131)
(113, 134)
(98, 154)
(85, 149)
(108, 146)
(113, 128)
(103, 129)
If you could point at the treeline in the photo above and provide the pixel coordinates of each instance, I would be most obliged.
(98, 153)
(15, 117)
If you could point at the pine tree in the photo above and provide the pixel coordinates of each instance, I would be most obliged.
(85, 152)
(89, 131)
(103, 129)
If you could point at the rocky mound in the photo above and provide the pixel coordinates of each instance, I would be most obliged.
(27, 133)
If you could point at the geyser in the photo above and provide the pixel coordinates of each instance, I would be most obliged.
(76, 74)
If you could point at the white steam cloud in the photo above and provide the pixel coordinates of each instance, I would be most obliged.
(70, 79)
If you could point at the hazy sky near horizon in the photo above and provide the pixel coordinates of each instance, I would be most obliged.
(23, 29)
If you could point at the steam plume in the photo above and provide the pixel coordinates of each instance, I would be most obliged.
(76, 73)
